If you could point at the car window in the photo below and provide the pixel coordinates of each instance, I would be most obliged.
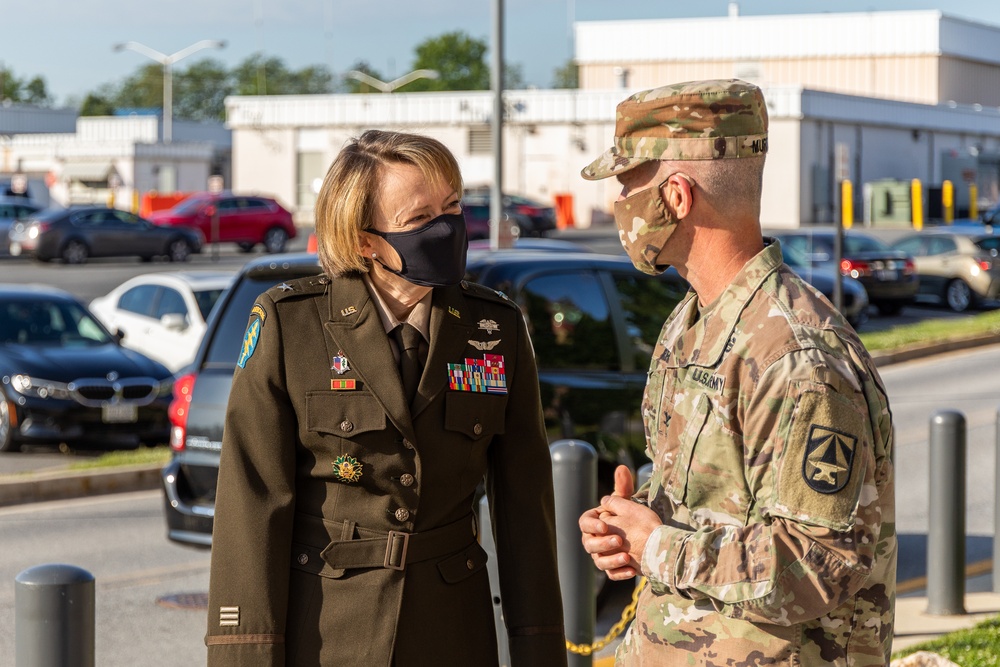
(815, 248)
(190, 205)
(227, 205)
(138, 300)
(939, 245)
(252, 205)
(570, 322)
(647, 302)
(225, 345)
(21, 212)
(128, 218)
(991, 244)
(49, 323)
(912, 246)
(206, 300)
(171, 303)
(7, 211)
(855, 244)
(90, 219)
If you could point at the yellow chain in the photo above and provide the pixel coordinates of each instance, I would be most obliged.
(628, 613)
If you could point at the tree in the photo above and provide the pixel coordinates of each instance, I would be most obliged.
(15, 89)
(352, 85)
(142, 90)
(94, 104)
(567, 76)
(260, 75)
(458, 58)
(200, 91)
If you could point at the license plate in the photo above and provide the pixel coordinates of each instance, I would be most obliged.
(15, 248)
(119, 413)
(886, 274)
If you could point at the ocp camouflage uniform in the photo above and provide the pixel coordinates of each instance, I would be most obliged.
(771, 438)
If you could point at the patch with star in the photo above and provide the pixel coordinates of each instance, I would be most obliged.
(824, 455)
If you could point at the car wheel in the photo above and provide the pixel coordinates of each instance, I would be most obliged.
(179, 250)
(74, 252)
(7, 443)
(246, 247)
(887, 308)
(859, 319)
(275, 239)
(958, 295)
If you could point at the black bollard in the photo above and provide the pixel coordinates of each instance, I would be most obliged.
(54, 617)
(574, 479)
(946, 533)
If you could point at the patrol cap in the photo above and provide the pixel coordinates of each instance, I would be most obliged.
(695, 120)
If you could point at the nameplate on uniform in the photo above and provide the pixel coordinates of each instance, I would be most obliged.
(484, 375)
(343, 385)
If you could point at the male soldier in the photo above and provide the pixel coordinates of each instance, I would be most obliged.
(767, 530)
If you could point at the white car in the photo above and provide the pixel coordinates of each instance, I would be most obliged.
(162, 315)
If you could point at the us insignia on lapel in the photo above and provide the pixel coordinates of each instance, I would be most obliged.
(350, 310)
(454, 311)
(484, 345)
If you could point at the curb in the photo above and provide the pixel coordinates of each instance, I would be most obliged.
(63, 485)
(919, 351)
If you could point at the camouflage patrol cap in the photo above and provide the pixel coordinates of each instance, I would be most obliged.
(696, 120)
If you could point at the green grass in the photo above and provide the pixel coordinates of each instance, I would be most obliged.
(140, 456)
(978, 646)
(933, 331)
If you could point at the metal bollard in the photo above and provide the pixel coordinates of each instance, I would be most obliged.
(54, 617)
(996, 512)
(946, 533)
(643, 474)
(574, 479)
(486, 541)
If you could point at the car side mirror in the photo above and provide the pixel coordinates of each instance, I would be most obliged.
(119, 335)
(174, 322)
(210, 210)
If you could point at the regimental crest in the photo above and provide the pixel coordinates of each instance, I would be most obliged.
(489, 326)
(828, 460)
(340, 364)
(347, 469)
(484, 345)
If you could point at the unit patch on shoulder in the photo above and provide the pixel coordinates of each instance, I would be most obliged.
(258, 310)
(826, 466)
(250, 339)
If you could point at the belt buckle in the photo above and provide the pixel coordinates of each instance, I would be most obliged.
(396, 559)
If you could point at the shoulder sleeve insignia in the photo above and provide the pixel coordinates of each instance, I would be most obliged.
(826, 466)
(250, 339)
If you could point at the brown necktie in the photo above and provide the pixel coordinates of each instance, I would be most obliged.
(410, 368)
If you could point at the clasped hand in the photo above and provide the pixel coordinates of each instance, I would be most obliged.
(616, 532)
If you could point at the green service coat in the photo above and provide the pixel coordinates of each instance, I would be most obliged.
(309, 463)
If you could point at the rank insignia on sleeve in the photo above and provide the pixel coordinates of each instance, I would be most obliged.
(489, 326)
(340, 363)
(454, 311)
(826, 466)
(250, 339)
(343, 385)
(484, 344)
(484, 375)
(347, 469)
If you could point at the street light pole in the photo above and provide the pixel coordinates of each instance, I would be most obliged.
(167, 62)
(384, 87)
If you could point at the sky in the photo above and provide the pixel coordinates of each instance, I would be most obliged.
(69, 44)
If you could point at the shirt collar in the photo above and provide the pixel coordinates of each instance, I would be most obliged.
(419, 318)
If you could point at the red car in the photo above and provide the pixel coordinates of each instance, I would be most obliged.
(242, 219)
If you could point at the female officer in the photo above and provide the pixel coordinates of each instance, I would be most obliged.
(367, 405)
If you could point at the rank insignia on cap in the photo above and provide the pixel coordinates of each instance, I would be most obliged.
(340, 364)
(484, 375)
(484, 345)
(826, 466)
(250, 339)
(350, 310)
(347, 469)
(284, 287)
(489, 326)
(454, 311)
(343, 385)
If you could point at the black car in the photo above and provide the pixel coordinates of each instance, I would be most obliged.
(76, 233)
(65, 379)
(889, 276)
(533, 218)
(593, 320)
(854, 299)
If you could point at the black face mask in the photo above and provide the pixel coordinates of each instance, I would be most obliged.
(432, 255)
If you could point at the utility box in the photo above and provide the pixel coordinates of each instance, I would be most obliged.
(887, 203)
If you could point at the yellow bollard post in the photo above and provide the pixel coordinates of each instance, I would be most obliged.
(846, 203)
(973, 201)
(135, 201)
(948, 201)
(917, 203)
(111, 198)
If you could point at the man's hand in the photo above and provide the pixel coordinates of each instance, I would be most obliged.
(615, 533)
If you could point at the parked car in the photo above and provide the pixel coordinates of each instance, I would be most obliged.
(521, 243)
(162, 315)
(958, 269)
(13, 209)
(65, 379)
(78, 233)
(889, 276)
(227, 218)
(533, 218)
(593, 320)
(854, 301)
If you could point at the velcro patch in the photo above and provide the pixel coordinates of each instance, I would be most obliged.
(821, 472)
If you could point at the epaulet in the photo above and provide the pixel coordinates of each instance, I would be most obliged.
(483, 292)
(299, 287)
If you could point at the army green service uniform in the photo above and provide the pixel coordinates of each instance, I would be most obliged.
(344, 532)
(771, 439)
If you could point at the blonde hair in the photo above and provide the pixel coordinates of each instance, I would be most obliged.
(347, 201)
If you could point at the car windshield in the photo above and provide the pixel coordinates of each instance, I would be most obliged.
(206, 299)
(794, 258)
(49, 323)
(190, 205)
(856, 243)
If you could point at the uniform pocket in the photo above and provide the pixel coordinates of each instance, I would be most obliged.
(474, 414)
(343, 414)
(462, 565)
(682, 436)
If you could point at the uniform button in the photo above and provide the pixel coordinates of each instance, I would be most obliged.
(346, 426)
(469, 564)
(402, 514)
(406, 479)
(407, 444)
(478, 429)
(303, 559)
